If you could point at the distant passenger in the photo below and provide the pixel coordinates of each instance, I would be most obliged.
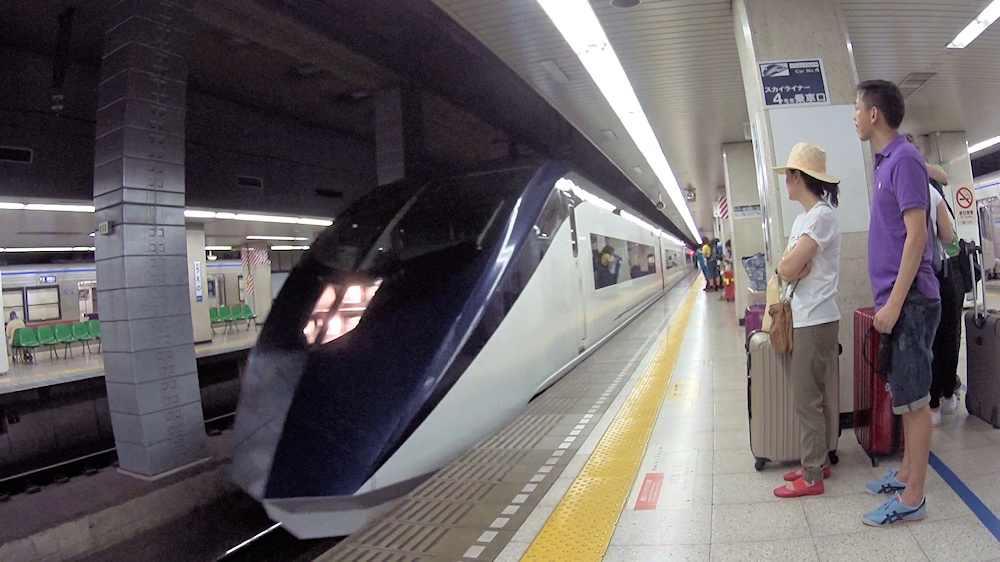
(812, 263)
(907, 294)
(699, 260)
(945, 383)
(711, 265)
(606, 270)
(12, 326)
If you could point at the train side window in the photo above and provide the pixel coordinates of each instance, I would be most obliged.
(43, 304)
(13, 301)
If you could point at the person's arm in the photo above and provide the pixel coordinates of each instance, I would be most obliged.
(946, 232)
(796, 262)
(915, 220)
(937, 173)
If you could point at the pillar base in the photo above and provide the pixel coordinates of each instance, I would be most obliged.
(166, 474)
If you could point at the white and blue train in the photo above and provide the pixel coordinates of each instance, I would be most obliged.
(422, 321)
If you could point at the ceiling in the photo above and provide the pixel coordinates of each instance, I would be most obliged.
(681, 58)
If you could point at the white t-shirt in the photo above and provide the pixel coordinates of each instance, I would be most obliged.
(936, 200)
(814, 301)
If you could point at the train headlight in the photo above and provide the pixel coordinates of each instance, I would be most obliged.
(332, 318)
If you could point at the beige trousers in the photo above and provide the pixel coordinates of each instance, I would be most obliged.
(814, 353)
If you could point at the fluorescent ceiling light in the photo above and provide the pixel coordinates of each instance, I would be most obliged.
(282, 248)
(193, 214)
(48, 249)
(316, 222)
(218, 248)
(980, 146)
(266, 218)
(12, 206)
(976, 26)
(277, 238)
(65, 208)
(578, 24)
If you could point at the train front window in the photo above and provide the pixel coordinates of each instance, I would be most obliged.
(458, 212)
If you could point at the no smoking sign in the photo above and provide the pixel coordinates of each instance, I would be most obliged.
(964, 197)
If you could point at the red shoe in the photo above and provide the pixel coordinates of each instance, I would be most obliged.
(800, 488)
(796, 474)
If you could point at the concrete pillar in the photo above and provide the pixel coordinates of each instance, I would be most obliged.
(789, 30)
(149, 361)
(197, 263)
(4, 363)
(951, 152)
(398, 134)
(746, 223)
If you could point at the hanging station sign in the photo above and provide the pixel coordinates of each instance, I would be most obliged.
(794, 83)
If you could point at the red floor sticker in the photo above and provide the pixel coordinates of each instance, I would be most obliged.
(649, 493)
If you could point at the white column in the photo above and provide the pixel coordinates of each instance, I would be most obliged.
(789, 30)
(747, 226)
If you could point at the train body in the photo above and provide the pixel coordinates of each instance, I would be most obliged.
(66, 292)
(423, 320)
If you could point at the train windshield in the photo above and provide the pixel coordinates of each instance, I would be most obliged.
(391, 226)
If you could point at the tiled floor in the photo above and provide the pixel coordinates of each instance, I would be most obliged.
(732, 513)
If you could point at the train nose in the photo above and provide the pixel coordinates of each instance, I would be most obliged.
(267, 390)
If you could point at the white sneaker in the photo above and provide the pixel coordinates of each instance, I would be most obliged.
(949, 405)
(936, 418)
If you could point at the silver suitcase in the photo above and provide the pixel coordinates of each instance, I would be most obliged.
(774, 427)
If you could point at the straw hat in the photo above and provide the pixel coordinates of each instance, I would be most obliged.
(808, 159)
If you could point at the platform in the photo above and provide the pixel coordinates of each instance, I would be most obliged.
(48, 370)
(686, 488)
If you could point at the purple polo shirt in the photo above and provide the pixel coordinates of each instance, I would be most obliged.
(900, 183)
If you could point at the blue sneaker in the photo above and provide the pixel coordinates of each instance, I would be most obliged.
(893, 511)
(885, 485)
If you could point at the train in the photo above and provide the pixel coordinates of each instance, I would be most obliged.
(422, 321)
(67, 292)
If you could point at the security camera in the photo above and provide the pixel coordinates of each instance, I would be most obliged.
(660, 205)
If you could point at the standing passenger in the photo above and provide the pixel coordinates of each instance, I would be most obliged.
(907, 295)
(812, 262)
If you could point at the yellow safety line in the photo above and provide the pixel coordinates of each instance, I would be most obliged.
(581, 526)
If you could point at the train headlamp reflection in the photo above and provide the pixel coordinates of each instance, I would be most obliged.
(332, 318)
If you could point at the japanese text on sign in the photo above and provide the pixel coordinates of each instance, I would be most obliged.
(794, 83)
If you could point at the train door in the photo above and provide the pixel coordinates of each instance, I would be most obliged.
(86, 292)
(580, 297)
(215, 286)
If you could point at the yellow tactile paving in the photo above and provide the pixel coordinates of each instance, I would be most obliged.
(581, 526)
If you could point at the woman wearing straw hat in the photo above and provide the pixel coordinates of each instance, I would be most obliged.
(812, 262)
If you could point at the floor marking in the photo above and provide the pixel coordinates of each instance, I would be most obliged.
(510, 510)
(499, 522)
(582, 524)
(528, 488)
(487, 536)
(538, 477)
(551, 460)
(649, 492)
(988, 518)
(545, 469)
(520, 498)
(474, 551)
(557, 453)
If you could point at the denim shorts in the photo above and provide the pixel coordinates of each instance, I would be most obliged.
(910, 347)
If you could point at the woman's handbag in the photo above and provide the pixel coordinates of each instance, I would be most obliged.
(781, 323)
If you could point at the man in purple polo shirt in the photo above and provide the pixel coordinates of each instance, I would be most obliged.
(907, 295)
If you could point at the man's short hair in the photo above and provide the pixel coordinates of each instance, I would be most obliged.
(886, 97)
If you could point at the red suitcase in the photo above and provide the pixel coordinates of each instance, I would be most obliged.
(879, 431)
(730, 282)
(754, 319)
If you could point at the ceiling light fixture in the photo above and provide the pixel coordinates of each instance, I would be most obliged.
(218, 248)
(12, 206)
(277, 238)
(47, 249)
(578, 24)
(285, 248)
(193, 214)
(980, 146)
(976, 26)
(61, 208)
(225, 215)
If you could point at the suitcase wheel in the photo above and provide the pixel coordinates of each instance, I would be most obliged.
(759, 463)
(834, 459)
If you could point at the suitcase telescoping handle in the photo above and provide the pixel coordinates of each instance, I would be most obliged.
(975, 253)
